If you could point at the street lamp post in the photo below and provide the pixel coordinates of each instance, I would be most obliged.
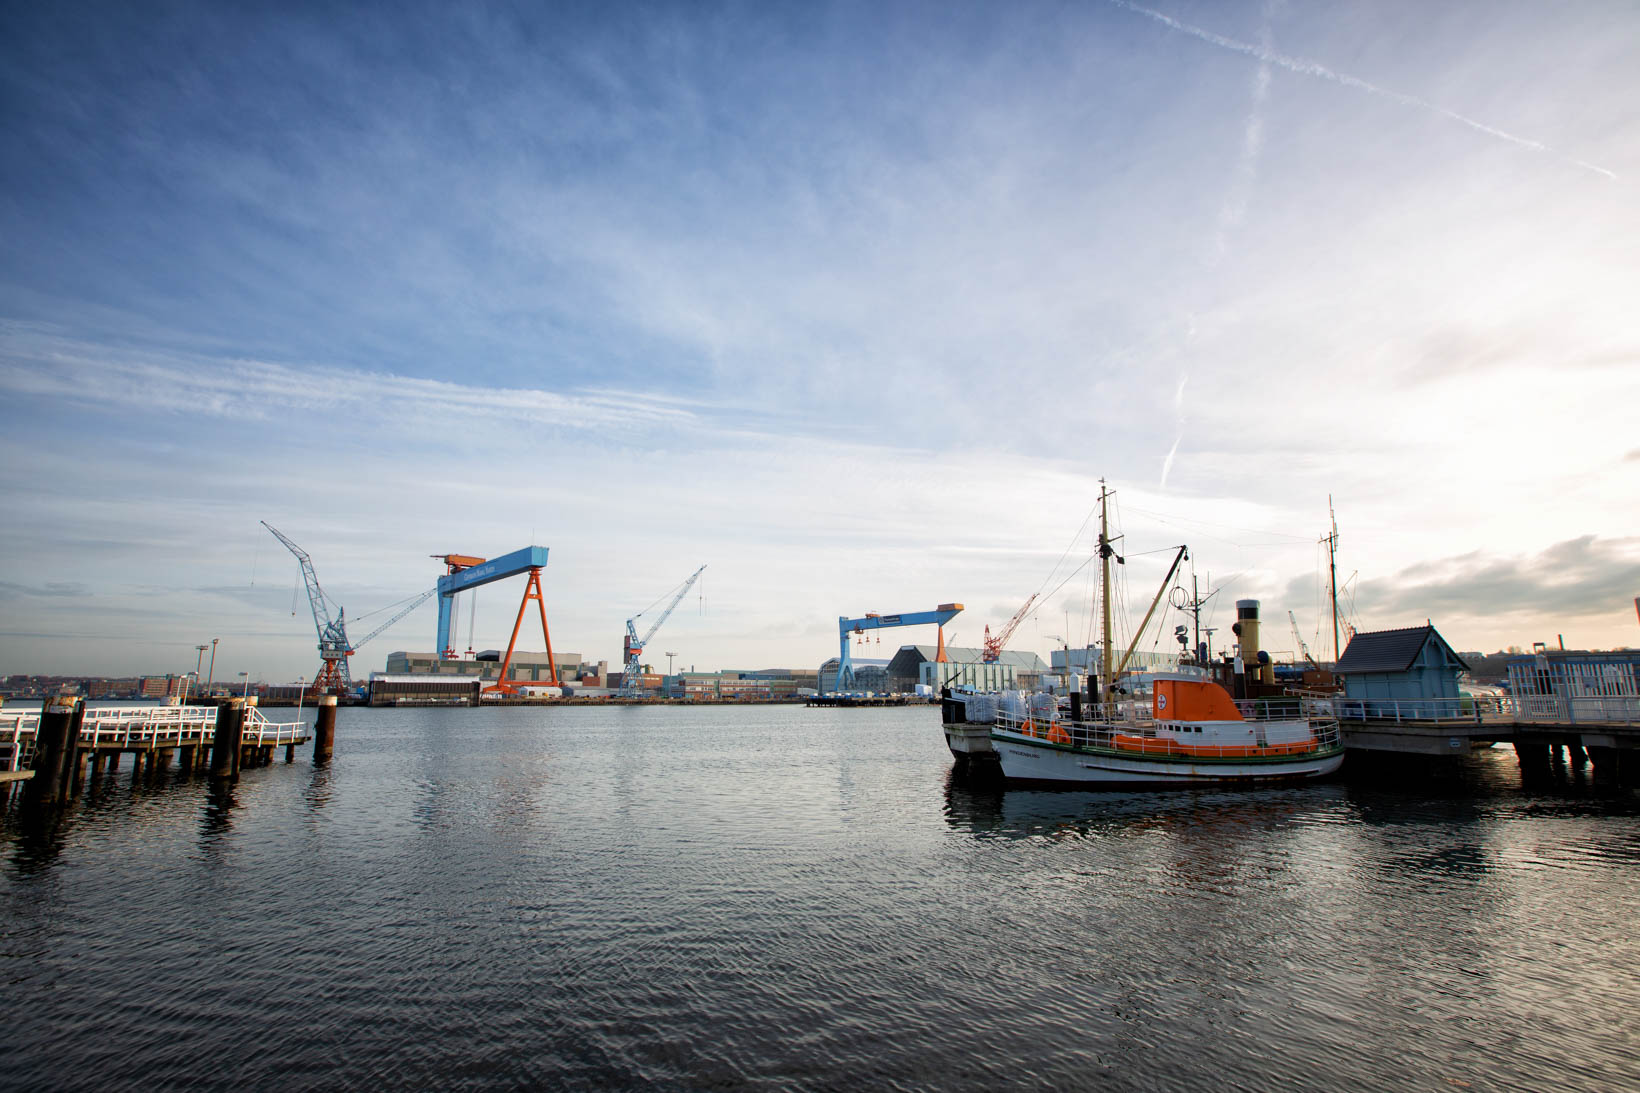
(212, 675)
(301, 693)
(669, 657)
(246, 676)
(199, 662)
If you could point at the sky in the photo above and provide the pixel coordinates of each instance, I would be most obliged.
(854, 304)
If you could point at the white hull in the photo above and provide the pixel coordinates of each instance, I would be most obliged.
(1029, 759)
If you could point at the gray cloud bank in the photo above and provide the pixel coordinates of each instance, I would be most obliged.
(1574, 579)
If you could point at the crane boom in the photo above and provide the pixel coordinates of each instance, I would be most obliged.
(635, 644)
(415, 603)
(1302, 648)
(993, 646)
(334, 648)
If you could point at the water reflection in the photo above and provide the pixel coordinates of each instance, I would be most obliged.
(38, 836)
(988, 808)
(216, 817)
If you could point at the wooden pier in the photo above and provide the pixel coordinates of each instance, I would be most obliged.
(1604, 728)
(154, 736)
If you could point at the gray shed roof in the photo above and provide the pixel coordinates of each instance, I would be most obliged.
(1389, 650)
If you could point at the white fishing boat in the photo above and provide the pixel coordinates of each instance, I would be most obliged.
(1192, 732)
(1189, 731)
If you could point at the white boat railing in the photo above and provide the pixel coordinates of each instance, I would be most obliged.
(1129, 727)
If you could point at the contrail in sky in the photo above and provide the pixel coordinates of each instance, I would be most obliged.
(1311, 68)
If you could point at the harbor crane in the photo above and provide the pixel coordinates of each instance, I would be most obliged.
(1302, 648)
(993, 646)
(634, 645)
(334, 646)
(876, 621)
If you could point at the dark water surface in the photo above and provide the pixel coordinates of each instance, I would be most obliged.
(774, 897)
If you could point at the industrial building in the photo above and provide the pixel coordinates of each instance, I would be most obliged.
(963, 667)
(1089, 661)
(486, 666)
(1577, 684)
(425, 689)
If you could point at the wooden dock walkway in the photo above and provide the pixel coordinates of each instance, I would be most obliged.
(151, 734)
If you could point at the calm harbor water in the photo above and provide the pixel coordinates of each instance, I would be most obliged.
(775, 897)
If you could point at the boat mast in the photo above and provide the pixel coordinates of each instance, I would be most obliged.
(1332, 576)
(1107, 665)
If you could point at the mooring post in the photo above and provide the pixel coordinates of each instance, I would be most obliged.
(230, 727)
(324, 729)
(54, 747)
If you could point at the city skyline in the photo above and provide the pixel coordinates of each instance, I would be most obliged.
(855, 305)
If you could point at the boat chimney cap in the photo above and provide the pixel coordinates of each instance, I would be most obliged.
(1246, 606)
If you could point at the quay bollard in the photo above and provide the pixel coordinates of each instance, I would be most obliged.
(324, 729)
(56, 747)
(230, 728)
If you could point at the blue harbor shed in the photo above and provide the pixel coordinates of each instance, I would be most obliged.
(1411, 672)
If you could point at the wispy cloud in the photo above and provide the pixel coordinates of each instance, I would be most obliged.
(38, 365)
(1304, 67)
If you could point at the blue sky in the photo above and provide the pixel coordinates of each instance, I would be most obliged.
(853, 303)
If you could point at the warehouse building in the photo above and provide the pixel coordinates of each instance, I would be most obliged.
(916, 665)
(525, 667)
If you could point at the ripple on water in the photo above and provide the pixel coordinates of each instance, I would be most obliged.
(790, 898)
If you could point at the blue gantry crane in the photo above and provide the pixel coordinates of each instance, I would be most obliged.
(873, 621)
(466, 572)
(634, 645)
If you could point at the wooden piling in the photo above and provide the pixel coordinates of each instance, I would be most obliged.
(290, 753)
(324, 729)
(55, 743)
(230, 728)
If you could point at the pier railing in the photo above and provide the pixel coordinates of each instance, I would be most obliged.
(141, 728)
(1470, 711)
(1579, 709)
(1494, 710)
